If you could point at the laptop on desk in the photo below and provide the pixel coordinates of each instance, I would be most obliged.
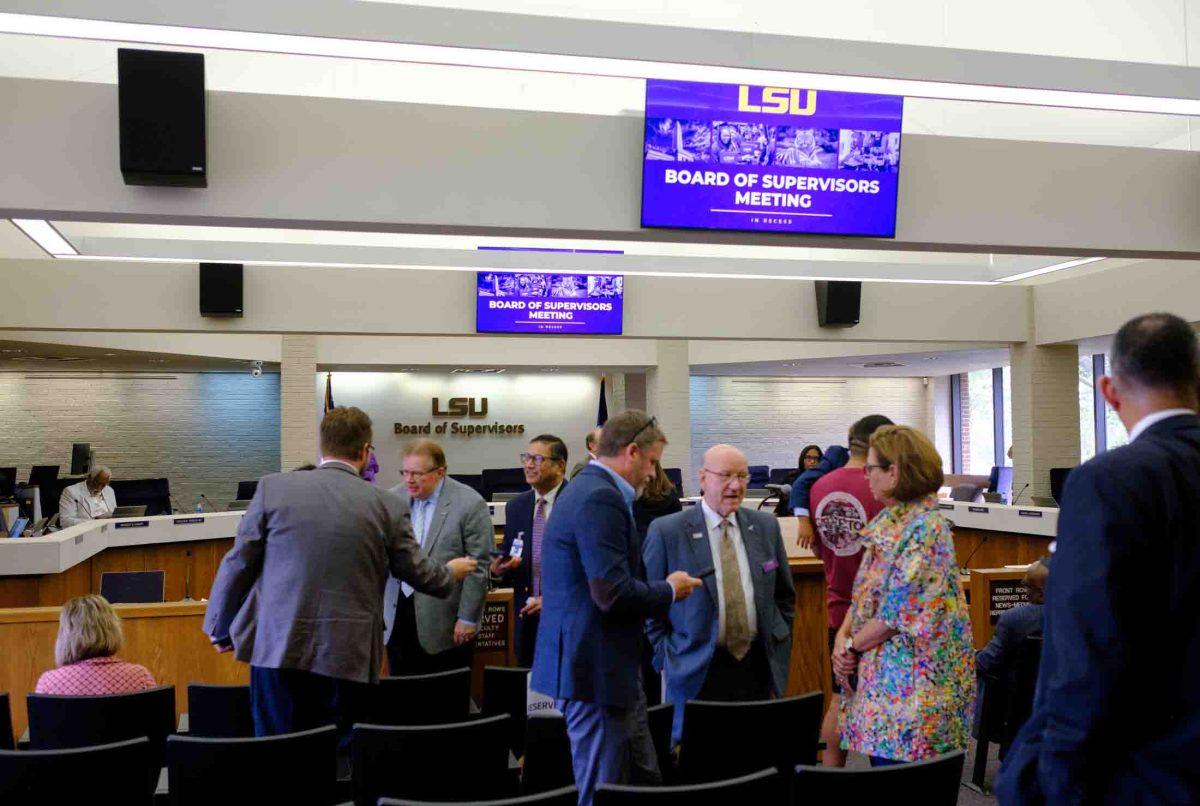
(129, 512)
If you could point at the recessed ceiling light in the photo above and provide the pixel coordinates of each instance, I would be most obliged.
(46, 236)
(75, 28)
(487, 371)
(879, 365)
(549, 369)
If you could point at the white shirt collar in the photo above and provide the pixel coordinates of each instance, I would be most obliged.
(550, 496)
(712, 520)
(1151, 419)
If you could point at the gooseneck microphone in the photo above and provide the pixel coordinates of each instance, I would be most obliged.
(1019, 494)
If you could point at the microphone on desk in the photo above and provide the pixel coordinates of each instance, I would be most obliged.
(187, 579)
(1019, 494)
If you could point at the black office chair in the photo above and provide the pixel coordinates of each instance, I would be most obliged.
(937, 781)
(782, 733)
(8, 482)
(290, 768)
(43, 474)
(756, 789)
(6, 723)
(219, 712)
(60, 721)
(505, 691)
(426, 761)
(502, 480)
(547, 754)
(567, 796)
(760, 475)
(110, 774)
(965, 492)
(1005, 703)
(423, 699)
(246, 489)
(660, 718)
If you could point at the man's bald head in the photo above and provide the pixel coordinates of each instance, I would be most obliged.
(723, 478)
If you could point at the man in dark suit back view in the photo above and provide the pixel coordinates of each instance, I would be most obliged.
(300, 595)
(595, 597)
(1116, 717)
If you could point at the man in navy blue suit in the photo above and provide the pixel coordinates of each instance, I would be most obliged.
(595, 597)
(525, 519)
(1116, 718)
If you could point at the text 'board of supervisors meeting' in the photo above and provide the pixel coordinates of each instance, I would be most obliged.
(524, 302)
(742, 157)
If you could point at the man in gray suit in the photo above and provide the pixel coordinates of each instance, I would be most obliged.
(734, 641)
(307, 613)
(424, 634)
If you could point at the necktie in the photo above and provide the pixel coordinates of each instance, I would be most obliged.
(420, 524)
(539, 527)
(737, 624)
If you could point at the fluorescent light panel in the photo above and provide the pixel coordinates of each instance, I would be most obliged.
(74, 28)
(46, 236)
(1070, 264)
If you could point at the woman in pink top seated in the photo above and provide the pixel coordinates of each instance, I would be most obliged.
(89, 637)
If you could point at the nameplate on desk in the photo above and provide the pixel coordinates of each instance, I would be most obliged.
(187, 521)
(132, 524)
(984, 510)
(946, 506)
(1029, 513)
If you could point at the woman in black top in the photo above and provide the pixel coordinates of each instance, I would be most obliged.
(658, 498)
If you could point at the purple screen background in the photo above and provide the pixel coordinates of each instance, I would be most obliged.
(851, 136)
(526, 302)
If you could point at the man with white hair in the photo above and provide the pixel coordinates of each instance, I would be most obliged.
(733, 640)
(88, 500)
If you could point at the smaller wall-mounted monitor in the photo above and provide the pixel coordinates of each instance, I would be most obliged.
(527, 302)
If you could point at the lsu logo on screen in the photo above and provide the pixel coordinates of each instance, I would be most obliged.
(778, 101)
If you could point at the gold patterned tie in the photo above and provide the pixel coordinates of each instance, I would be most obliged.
(737, 624)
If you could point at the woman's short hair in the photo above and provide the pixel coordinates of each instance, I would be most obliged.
(918, 464)
(88, 627)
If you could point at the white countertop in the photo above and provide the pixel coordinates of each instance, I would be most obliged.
(55, 553)
(1020, 519)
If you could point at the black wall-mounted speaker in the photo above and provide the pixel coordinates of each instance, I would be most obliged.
(220, 289)
(161, 110)
(838, 303)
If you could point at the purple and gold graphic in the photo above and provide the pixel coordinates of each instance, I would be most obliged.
(742, 157)
(527, 302)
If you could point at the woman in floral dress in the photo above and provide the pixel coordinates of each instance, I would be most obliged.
(904, 650)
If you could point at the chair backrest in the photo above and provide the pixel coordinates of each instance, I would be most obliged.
(505, 691)
(1018, 705)
(567, 796)
(426, 761)
(109, 773)
(43, 474)
(153, 494)
(781, 733)
(547, 753)
(8, 481)
(965, 492)
(60, 721)
(423, 699)
(676, 477)
(472, 480)
(503, 480)
(660, 719)
(783, 475)
(756, 789)
(937, 780)
(759, 476)
(245, 490)
(6, 723)
(290, 768)
(219, 712)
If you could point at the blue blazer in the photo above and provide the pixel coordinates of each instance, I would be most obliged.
(684, 640)
(1116, 717)
(594, 596)
(1013, 627)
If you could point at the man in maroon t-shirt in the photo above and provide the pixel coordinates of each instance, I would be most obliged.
(841, 504)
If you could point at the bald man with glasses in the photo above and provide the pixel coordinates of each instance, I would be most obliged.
(732, 640)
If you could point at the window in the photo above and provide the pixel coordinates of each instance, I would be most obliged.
(1087, 408)
(1005, 445)
(1114, 431)
(979, 427)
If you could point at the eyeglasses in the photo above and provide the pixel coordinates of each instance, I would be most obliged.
(417, 475)
(536, 459)
(868, 468)
(725, 478)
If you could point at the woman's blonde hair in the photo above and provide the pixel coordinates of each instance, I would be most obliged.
(918, 464)
(88, 627)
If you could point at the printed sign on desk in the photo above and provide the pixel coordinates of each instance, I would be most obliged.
(781, 159)
(493, 627)
(1005, 594)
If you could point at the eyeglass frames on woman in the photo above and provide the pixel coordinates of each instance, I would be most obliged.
(868, 468)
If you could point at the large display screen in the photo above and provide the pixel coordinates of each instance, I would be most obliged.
(741, 157)
(521, 302)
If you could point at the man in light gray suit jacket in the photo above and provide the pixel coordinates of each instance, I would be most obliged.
(734, 641)
(299, 596)
(424, 634)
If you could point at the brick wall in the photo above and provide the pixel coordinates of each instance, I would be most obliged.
(205, 432)
(772, 421)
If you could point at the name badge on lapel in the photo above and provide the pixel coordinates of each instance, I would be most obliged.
(697, 535)
(770, 565)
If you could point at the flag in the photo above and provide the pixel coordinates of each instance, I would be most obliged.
(329, 392)
(602, 411)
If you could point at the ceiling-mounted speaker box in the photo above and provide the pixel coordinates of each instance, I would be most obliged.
(838, 303)
(162, 120)
(220, 289)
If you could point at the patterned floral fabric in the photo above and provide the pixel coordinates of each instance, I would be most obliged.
(96, 676)
(916, 691)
